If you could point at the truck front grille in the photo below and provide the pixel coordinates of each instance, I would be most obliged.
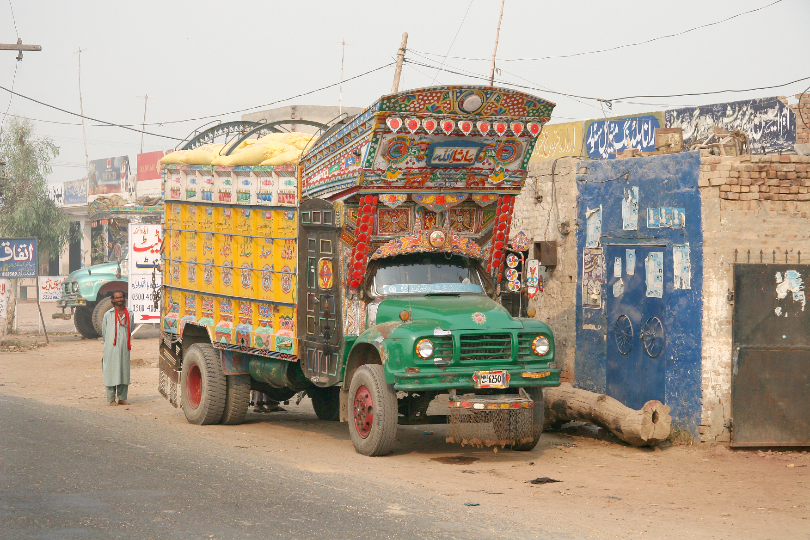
(475, 347)
(442, 347)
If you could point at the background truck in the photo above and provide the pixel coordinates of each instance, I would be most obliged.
(366, 276)
(88, 294)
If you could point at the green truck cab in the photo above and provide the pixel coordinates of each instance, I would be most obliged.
(368, 276)
(88, 294)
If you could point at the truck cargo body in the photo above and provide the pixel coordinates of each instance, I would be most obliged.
(368, 270)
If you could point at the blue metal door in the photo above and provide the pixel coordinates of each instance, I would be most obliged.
(636, 337)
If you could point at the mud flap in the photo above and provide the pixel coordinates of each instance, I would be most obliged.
(490, 420)
(169, 365)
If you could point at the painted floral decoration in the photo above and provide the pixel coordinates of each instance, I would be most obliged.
(479, 318)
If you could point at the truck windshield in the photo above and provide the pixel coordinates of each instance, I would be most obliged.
(433, 273)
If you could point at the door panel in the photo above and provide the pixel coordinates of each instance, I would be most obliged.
(322, 332)
(770, 380)
(636, 336)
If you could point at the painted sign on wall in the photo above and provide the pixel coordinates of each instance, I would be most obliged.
(75, 192)
(109, 175)
(606, 138)
(18, 257)
(558, 140)
(768, 123)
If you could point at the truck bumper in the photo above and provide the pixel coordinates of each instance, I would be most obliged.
(463, 379)
(71, 301)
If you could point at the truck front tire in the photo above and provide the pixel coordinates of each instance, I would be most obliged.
(538, 417)
(237, 399)
(103, 306)
(373, 414)
(203, 385)
(326, 402)
(83, 321)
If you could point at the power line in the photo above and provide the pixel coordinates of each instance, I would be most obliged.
(611, 100)
(272, 102)
(12, 92)
(13, 19)
(616, 47)
(713, 92)
(452, 42)
(104, 123)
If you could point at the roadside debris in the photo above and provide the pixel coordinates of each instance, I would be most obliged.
(542, 480)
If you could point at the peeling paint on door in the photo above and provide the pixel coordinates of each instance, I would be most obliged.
(630, 209)
(682, 268)
(791, 283)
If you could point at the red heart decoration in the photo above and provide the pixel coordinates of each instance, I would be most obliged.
(448, 126)
(429, 124)
(517, 128)
(534, 128)
(500, 128)
(465, 127)
(412, 124)
(394, 123)
(483, 127)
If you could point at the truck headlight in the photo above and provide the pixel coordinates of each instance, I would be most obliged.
(75, 286)
(540, 345)
(424, 348)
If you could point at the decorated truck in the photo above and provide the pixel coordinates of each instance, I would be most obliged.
(367, 276)
(87, 292)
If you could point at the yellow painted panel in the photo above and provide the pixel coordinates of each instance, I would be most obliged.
(205, 219)
(188, 217)
(558, 140)
(223, 220)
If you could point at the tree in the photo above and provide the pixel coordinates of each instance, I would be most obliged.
(25, 208)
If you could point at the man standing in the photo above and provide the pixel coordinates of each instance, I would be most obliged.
(116, 332)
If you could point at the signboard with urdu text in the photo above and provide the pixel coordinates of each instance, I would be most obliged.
(18, 257)
(145, 242)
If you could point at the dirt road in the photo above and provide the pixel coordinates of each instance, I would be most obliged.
(605, 489)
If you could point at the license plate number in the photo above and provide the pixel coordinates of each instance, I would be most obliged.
(491, 379)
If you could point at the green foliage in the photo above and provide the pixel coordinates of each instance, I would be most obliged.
(25, 208)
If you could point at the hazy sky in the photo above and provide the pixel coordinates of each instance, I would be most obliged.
(200, 58)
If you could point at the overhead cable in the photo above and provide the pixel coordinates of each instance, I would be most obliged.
(616, 47)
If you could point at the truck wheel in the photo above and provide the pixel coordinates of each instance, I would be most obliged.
(373, 418)
(203, 385)
(538, 417)
(83, 321)
(102, 307)
(326, 402)
(237, 399)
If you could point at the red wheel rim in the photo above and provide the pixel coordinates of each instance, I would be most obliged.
(194, 386)
(363, 412)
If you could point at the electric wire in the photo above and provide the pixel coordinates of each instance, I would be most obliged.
(452, 42)
(13, 19)
(129, 127)
(618, 46)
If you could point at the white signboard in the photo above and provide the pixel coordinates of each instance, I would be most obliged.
(5, 292)
(50, 288)
(56, 191)
(145, 241)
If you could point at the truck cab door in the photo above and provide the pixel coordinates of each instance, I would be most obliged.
(320, 307)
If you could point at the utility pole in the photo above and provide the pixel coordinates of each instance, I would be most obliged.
(497, 34)
(400, 59)
(19, 47)
(143, 125)
(342, 58)
(81, 111)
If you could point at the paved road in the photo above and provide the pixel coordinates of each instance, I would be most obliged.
(67, 474)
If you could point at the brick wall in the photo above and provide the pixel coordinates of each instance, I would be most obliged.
(540, 213)
(758, 202)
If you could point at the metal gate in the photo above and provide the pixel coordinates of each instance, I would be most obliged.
(321, 331)
(636, 361)
(770, 384)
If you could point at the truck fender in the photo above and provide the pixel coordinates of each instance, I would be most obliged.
(369, 348)
(110, 287)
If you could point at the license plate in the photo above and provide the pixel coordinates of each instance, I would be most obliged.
(491, 379)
